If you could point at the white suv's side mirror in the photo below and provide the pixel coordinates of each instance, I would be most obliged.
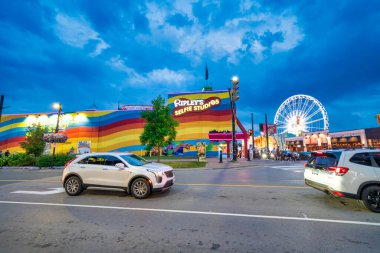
(120, 165)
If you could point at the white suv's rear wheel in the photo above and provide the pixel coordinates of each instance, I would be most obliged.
(73, 186)
(140, 188)
(371, 198)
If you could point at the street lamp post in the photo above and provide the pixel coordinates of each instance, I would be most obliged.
(233, 97)
(59, 107)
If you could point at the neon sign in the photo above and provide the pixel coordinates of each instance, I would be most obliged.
(184, 105)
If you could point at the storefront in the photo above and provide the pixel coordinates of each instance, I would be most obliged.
(198, 114)
(369, 137)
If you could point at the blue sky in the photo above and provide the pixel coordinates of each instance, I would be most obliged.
(99, 52)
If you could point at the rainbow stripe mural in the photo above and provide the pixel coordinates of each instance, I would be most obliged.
(198, 113)
(118, 130)
(104, 130)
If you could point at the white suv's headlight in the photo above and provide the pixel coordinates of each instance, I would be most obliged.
(157, 174)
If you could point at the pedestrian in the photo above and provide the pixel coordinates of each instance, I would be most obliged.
(1, 153)
(6, 153)
(71, 151)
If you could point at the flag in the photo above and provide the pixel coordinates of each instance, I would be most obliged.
(206, 73)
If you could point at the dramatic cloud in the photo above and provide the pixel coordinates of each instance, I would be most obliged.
(77, 33)
(249, 34)
(90, 52)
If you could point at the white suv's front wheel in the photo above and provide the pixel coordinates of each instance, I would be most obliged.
(371, 198)
(140, 188)
(73, 186)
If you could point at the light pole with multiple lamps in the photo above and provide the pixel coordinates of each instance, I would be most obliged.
(233, 98)
(57, 106)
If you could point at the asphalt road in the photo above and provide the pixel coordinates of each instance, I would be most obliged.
(262, 208)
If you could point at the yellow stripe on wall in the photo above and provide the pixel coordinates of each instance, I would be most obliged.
(12, 126)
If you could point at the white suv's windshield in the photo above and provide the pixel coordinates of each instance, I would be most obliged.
(134, 160)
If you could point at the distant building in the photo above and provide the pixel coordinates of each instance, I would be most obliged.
(368, 137)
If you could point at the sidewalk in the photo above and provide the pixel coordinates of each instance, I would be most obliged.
(213, 163)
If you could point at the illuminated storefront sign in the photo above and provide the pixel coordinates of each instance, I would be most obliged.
(184, 105)
(136, 108)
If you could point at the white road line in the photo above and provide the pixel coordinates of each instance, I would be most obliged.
(53, 191)
(198, 212)
(285, 166)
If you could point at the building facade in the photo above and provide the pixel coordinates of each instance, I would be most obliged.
(198, 113)
(369, 137)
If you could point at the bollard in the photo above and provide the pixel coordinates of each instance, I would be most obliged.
(220, 156)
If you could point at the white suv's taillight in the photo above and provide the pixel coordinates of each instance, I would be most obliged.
(67, 164)
(339, 171)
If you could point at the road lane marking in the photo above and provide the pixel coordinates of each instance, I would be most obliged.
(53, 191)
(198, 212)
(184, 184)
(248, 185)
(28, 180)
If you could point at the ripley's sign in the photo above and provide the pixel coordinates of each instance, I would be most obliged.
(184, 105)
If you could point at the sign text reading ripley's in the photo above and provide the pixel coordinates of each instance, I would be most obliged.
(184, 105)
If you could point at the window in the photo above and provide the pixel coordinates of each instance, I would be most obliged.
(111, 160)
(100, 160)
(134, 160)
(323, 162)
(376, 157)
(362, 159)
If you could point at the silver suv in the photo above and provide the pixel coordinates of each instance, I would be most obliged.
(347, 173)
(116, 170)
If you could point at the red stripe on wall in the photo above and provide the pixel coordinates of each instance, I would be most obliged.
(122, 123)
(205, 116)
(121, 128)
(12, 142)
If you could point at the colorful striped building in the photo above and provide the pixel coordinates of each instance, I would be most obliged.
(119, 130)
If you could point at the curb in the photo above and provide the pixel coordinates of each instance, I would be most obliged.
(31, 168)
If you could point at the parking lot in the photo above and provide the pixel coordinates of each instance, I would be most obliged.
(262, 206)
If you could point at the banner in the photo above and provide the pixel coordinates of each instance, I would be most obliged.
(84, 147)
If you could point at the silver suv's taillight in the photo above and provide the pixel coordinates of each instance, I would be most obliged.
(339, 171)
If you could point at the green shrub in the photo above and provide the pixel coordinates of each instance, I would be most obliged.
(44, 161)
(20, 159)
(3, 161)
(47, 160)
(62, 159)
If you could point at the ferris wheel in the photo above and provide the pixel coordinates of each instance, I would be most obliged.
(301, 113)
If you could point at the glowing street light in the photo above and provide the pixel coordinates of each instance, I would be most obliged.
(233, 98)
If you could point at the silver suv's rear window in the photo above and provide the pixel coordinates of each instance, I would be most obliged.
(323, 160)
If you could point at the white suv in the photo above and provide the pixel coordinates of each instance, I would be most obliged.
(347, 173)
(116, 170)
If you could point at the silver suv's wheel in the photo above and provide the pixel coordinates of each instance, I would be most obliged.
(371, 198)
(140, 188)
(73, 186)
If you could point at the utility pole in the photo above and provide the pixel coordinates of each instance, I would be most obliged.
(253, 139)
(266, 131)
(233, 126)
(59, 106)
(1, 105)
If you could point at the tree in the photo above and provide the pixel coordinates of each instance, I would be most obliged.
(159, 129)
(34, 143)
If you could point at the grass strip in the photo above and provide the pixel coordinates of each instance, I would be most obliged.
(185, 164)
